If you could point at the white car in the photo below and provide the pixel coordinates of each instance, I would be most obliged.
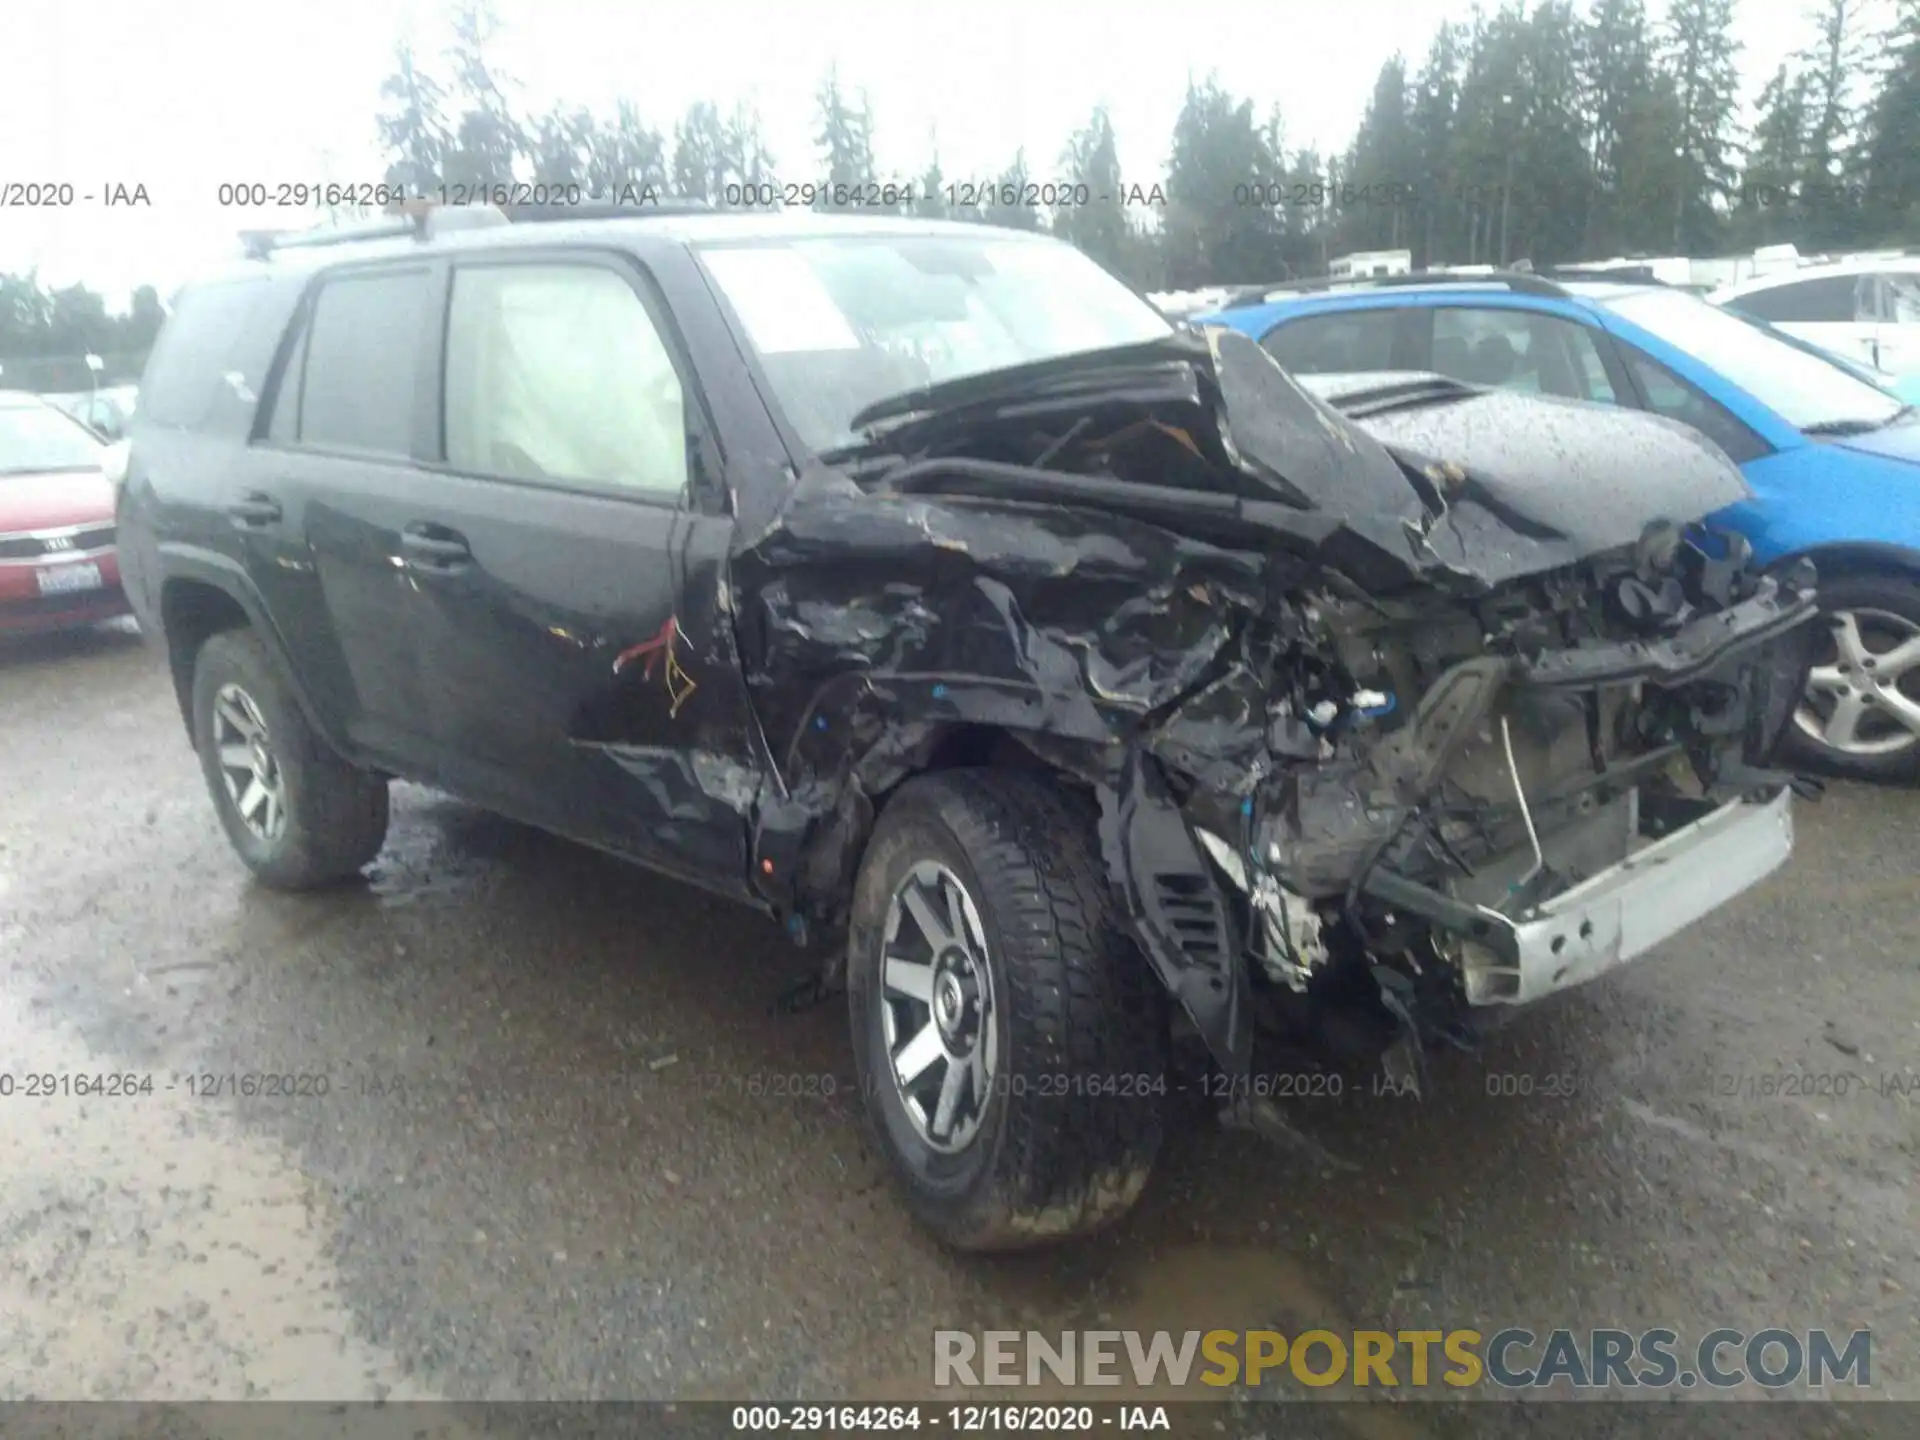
(1866, 308)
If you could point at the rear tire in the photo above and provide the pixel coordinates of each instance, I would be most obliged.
(1069, 1026)
(298, 815)
(1860, 717)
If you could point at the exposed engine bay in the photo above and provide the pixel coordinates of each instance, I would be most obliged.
(1351, 712)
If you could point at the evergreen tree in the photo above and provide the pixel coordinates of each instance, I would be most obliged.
(1382, 162)
(745, 158)
(412, 126)
(1775, 160)
(845, 138)
(1616, 75)
(1009, 207)
(1218, 228)
(561, 142)
(1890, 144)
(930, 190)
(1834, 63)
(1436, 98)
(1495, 111)
(1552, 186)
(700, 154)
(1702, 54)
(487, 140)
(627, 159)
(1094, 216)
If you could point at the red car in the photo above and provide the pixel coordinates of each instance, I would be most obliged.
(58, 563)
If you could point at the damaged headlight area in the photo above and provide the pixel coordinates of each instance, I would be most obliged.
(1444, 774)
(1358, 723)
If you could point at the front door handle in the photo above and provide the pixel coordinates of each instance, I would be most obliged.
(254, 509)
(435, 547)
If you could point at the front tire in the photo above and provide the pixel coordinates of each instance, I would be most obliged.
(298, 815)
(1010, 1040)
(1860, 716)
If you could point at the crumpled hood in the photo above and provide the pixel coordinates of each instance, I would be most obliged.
(1470, 491)
(1597, 474)
(1523, 483)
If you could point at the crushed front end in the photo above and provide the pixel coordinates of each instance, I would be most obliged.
(1440, 726)
(1481, 801)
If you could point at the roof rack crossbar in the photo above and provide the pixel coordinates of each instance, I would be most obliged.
(262, 243)
(605, 210)
(425, 220)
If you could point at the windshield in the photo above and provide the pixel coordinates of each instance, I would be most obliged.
(1876, 378)
(840, 323)
(1806, 389)
(39, 438)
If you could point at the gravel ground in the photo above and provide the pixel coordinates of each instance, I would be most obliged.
(558, 1153)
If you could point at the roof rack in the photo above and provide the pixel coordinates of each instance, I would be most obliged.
(259, 244)
(665, 205)
(419, 218)
(424, 219)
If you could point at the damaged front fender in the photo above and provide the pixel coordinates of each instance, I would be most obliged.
(1255, 634)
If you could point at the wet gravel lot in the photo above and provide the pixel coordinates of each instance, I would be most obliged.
(549, 1138)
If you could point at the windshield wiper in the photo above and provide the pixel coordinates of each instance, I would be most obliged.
(1855, 427)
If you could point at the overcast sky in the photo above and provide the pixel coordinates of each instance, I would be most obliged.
(182, 96)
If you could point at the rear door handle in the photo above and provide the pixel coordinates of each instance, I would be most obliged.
(254, 509)
(435, 547)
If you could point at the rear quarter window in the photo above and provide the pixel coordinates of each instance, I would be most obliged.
(212, 356)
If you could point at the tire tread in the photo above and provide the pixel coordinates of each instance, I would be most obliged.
(342, 819)
(1082, 1002)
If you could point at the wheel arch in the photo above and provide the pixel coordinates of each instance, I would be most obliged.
(839, 776)
(1856, 557)
(202, 597)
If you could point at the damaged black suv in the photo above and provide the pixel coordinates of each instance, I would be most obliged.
(1084, 685)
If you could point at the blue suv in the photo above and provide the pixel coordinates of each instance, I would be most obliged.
(1832, 458)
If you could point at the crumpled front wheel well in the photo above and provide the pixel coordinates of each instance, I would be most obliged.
(982, 747)
(834, 856)
(1857, 559)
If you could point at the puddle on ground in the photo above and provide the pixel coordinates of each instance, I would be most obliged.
(150, 1249)
(1179, 1288)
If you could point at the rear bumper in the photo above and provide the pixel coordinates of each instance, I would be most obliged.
(1628, 909)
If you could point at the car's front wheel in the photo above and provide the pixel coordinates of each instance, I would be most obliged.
(295, 812)
(1860, 716)
(1010, 1040)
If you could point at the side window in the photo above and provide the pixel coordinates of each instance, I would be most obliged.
(1829, 300)
(558, 373)
(1667, 394)
(186, 374)
(362, 357)
(1352, 342)
(1517, 350)
(1900, 299)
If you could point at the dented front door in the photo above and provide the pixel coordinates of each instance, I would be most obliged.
(567, 569)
